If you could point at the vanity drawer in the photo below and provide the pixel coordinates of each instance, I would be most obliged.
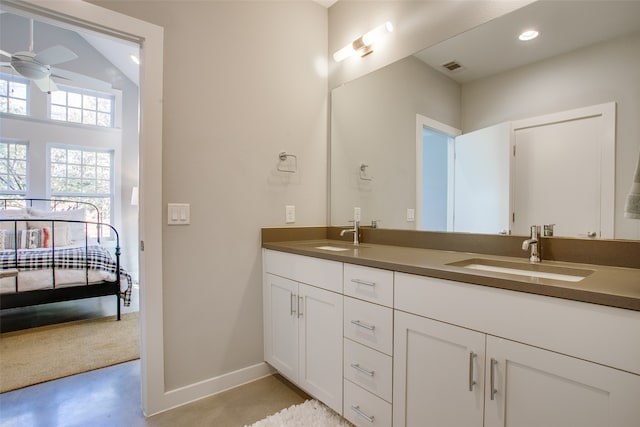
(322, 273)
(369, 324)
(368, 368)
(369, 284)
(365, 409)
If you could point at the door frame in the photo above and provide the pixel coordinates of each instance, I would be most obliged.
(79, 14)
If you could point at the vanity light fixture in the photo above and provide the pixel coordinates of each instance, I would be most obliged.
(134, 59)
(363, 45)
(527, 35)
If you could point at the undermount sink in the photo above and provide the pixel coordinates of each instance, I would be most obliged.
(338, 247)
(332, 248)
(541, 271)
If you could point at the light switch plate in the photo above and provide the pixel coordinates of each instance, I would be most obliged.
(178, 214)
(290, 214)
(411, 214)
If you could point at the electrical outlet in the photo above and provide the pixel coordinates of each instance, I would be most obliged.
(411, 215)
(290, 214)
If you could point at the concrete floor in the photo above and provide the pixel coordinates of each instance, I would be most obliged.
(110, 397)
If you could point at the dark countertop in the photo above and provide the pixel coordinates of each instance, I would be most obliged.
(611, 286)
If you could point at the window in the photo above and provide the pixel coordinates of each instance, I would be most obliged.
(76, 105)
(13, 169)
(84, 175)
(14, 94)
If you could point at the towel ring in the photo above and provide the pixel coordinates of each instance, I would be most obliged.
(283, 156)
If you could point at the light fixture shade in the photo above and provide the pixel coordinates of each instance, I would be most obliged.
(632, 205)
(363, 45)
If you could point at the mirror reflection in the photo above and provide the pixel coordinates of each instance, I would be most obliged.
(437, 143)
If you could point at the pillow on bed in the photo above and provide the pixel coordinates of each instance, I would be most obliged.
(31, 239)
(77, 231)
(62, 231)
(13, 214)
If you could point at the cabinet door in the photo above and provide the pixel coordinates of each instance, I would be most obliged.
(281, 325)
(534, 387)
(438, 373)
(321, 345)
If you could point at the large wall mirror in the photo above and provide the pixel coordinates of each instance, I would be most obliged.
(567, 103)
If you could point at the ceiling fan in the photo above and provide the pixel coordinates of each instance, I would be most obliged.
(38, 66)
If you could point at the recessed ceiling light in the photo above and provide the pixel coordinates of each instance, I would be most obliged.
(528, 35)
(135, 59)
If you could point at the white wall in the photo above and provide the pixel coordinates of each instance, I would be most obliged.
(597, 74)
(242, 81)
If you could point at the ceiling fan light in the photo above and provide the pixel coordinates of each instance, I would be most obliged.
(31, 70)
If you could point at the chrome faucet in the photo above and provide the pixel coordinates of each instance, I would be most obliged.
(533, 242)
(354, 230)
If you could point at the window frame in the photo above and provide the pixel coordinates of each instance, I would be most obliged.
(16, 193)
(109, 218)
(27, 99)
(83, 92)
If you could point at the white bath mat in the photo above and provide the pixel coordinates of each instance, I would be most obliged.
(308, 414)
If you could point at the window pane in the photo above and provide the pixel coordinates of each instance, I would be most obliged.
(74, 171)
(3, 88)
(4, 104)
(59, 97)
(88, 186)
(104, 105)
(74, 99)
(74, 156)
(89, 102)
(58, 155)
(74, 185)
(103, 159)
(17, 90)
(58, 170)
(88, 117)
(89, 158)
(58, 113)
(103, 187)
(104, 120)
(103, 173)
(20, 167)
(89, 172)
(75, 115)
(18, 106)
(58, 184)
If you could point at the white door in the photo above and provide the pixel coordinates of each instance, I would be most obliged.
(564, 173)
(321, 339)
(482, 180)
(535, 387)
(281, 325)
(438, 377)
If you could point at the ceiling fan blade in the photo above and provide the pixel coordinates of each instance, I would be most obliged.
(5, 53)
(46, 85)
(55, 55)
(5, 64)
(80, 78)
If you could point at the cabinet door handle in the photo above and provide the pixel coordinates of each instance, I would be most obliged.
(357, 367)
(357, 410)
(363, 325)
(300, 304)
(472, 356)
(291, 299)
(494, 362)
(363, 282)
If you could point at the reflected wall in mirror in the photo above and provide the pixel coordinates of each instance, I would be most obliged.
(374, 117)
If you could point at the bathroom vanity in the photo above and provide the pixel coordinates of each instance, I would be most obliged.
(388, 335)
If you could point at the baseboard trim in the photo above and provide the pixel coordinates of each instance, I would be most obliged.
(200, 390)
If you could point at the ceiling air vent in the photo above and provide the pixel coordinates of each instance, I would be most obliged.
(453, 66)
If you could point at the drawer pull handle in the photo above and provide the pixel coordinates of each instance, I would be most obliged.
(494, 362)
(357, 410)
(357, 367)
(363, 282)
(363, 325)
(293, 310)
(472, 356)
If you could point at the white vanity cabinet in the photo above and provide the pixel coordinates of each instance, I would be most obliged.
(368, 345)
(303, 323)
(473, 356)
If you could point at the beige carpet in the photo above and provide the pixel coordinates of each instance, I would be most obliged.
(41, 354)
